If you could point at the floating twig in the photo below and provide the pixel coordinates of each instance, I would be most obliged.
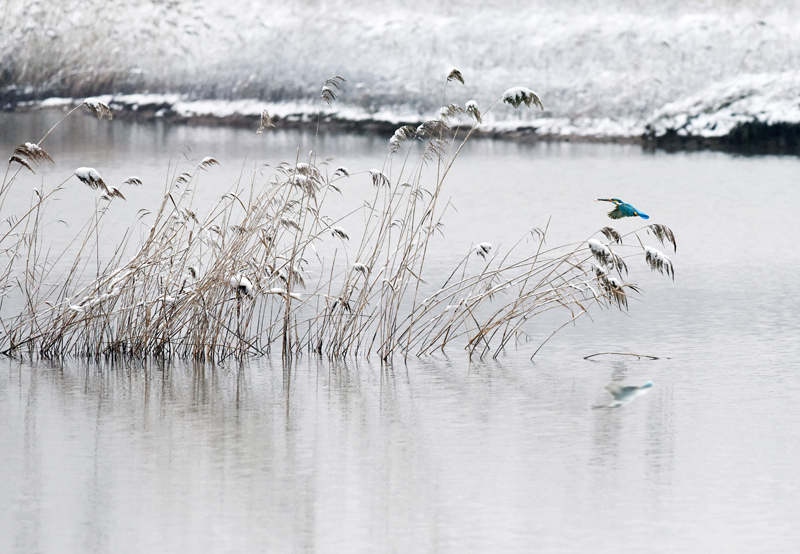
(640, 356)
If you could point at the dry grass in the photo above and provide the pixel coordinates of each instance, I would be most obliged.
(249, 276)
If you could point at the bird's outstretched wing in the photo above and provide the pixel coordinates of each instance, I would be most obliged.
(615, 213)
(614, 389)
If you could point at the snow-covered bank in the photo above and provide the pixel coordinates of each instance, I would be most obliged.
(181, 109)
(614, 68)
(174, 108)
(759, 110)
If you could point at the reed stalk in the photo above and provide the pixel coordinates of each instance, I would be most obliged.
(249, 277)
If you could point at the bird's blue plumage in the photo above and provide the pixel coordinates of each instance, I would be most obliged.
(623, 209)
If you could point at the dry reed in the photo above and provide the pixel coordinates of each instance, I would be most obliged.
(247, 279)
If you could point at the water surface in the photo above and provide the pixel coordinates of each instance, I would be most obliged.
(442, 453)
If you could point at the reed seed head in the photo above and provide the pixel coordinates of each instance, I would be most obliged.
(21, 161)
(114, 192)
(433, 128)
(599, 270)
(32, 152)
(611, 234)
(601, 252)
(101, 110)
(455, 75)
(361, 268)
(339, 233)
(241, 285)
(663, 233)
(400, 135)
(472, 110)
(483, 249)
(658, 261)
(290, 223)
(207, 162)
(378, 178)
(331, 88)
(613, 287)
(90, 177)
(450, 110)
(520, 95)
(266, 122)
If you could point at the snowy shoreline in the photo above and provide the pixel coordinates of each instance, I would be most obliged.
(753, 113)
(175, 108)
(673, 73)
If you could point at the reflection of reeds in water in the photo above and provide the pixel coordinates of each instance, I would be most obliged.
(249, 277)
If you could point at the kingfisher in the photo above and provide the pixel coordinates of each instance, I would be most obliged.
(623, 209)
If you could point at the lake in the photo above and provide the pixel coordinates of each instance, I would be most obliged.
(440, 453)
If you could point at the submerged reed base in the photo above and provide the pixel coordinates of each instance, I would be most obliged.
(264, 270)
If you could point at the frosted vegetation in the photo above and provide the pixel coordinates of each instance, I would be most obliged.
(605, 68)
(268, 267)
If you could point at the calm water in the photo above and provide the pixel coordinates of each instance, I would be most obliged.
(441, 454)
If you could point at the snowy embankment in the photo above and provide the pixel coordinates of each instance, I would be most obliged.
(175, 108)
(668, 70)
(718, 114)
(180, 108)
(762, 108)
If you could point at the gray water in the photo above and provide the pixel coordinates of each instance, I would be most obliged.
(443, 453)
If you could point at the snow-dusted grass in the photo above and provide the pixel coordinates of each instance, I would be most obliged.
(606, 68)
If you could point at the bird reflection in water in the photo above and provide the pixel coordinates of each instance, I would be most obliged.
(625, 394)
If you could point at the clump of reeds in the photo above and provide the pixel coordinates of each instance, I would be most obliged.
(246, 276)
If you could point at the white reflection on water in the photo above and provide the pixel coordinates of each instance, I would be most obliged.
(442, 454)
(437, 455)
